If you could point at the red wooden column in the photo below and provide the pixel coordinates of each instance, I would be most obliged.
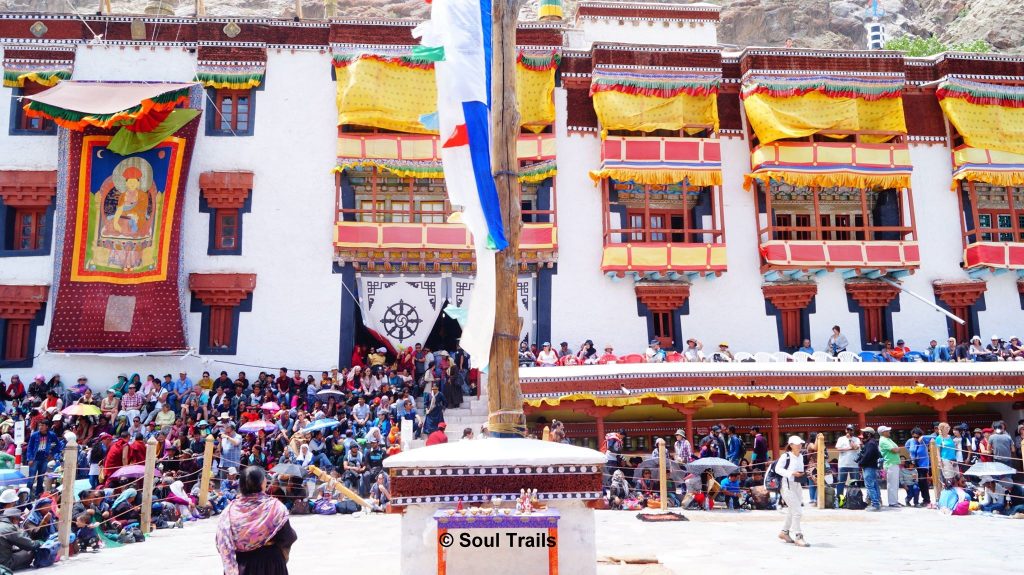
(873, 297)
(662, 299)
(19, 305)
(598, 413)
(221, 293)
(959, 296)
(790, 299)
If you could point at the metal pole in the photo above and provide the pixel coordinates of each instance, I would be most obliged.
(204, 481)
(926, 302)
(67, 495)
(662, 474)
(820, 443)
(147, 487)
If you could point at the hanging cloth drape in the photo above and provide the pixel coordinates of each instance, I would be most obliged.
(230, 75)
(395, 89)
(651, 100)
(989, 117)
(796, 107)
(75, 105)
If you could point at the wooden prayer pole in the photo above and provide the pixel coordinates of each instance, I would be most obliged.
(504, 401)
(335, 485)
(204, 480)
(822, 460)
(546, 436)
(67, 495)
(146, 521)
(662, 474)
(936, 463)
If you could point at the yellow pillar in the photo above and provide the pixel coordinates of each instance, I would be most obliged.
(67, 496)
(822, 461)
(663, 474)
(204, 481)
(147, 487)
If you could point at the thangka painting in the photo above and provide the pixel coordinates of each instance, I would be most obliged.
(125, 211)
(118, 289)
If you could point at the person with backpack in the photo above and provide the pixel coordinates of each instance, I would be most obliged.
(790, 468)
(869, 457)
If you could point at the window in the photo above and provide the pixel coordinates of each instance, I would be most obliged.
(230, 112)
(834, 213)
(400, 212)
(663, 331)
(674, 213)
(21, 123)
(371, 210)
(999, 217)
(432, 212)
(226, 230)
(30, 225)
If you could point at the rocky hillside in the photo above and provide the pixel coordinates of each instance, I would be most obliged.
(810, 23)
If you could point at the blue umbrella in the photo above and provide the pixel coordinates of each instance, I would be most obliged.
(320, 424)
(12, 477)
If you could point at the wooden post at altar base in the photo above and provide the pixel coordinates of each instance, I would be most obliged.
(204, 481)
(67, 494)
(662, 474)
(504, 397)
(936, 463)
(145, 522)
(822, 461)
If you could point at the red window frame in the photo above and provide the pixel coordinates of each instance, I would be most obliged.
(233, 120)
(664, 331)
(225, 229)
(29, 227)
(222, 332)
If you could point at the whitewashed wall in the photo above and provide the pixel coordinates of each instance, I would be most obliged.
(295, 317)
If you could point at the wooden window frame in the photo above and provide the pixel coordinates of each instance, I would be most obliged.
(649, 232)
(977, 230)
(218, 230)
(216, 117)
(38, 228)
(789, 225)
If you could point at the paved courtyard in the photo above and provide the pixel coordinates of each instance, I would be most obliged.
(903, 541)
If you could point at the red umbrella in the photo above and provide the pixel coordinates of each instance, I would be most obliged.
(132, 472)
(270, 406)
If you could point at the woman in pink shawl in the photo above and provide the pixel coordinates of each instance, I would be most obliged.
(254, 535)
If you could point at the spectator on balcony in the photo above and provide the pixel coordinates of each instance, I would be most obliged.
(723, 354)
(654, 353)
(936, 353)
(977, 352)
(526, 357)
(837, 342)
(895, 352)
(998, 349)
(1015, 349)
(608, 356)
(806, 347)
(587, 355)
(547, 357)
(563, 350)
(694, 350)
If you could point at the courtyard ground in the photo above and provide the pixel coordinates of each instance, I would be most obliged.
(897, 541)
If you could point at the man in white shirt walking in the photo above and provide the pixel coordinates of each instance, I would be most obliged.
(848, 447)
(791, 467)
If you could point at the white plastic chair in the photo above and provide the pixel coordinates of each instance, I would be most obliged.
(743, 356)
(801, 356)
(848, 357)
(782, 357)
(763, 357)
(822, 357)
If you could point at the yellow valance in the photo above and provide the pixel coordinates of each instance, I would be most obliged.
(621, 111)
(986, 115)
(391, 94)
(780, 108)
(994, 167)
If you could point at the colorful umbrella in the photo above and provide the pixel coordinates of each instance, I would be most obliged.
(257, 426)
(325, 423)
(270, 406)
(132, 472)
(81, 409)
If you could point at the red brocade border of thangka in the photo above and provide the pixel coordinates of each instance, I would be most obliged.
(133, 315)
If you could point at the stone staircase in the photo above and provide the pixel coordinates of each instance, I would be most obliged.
(472, 413)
